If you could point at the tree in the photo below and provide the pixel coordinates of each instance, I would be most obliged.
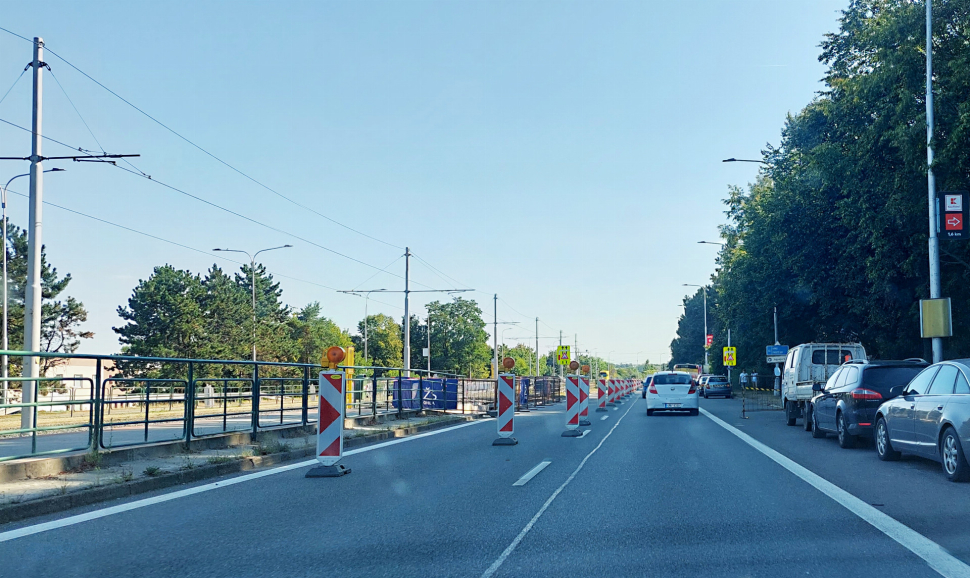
(60, 319)
(524, 356)
(459, 343)
(311, 334)
(227, 312)
(384, 341)
(164, 316)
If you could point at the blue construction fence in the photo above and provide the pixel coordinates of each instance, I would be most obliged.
(438, 393)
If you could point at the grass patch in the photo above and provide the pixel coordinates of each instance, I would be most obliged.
(219, 459)
(275, 447)
(152, 471)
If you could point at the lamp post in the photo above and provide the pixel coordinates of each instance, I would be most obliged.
(6, 301)
(734, 160)
(705, 323)
(252, 273)
(366, 323)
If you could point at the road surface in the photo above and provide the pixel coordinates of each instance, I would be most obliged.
(661, 496)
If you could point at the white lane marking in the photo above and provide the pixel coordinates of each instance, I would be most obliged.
(531, 473)
(94, 515)
(934, 555)
(604, 417)
(511, 547)
(585, 433)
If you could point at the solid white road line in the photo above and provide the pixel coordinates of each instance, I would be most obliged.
(531, 473)
(604, 417)
(95, 514)
(585, 433)
(934, 555)
(511, 547)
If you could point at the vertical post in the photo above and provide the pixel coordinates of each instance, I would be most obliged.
(735, 359)
(306, 395)
(429, 342)
(96, 410)
(537, 345)
(252, 272)
(189, 405)
(400, 400)
(934, 241)
(407, 316)
(373, 395)
(495, 342)
(255, 401)
(560, 345)
(366, 297)
(777, 377)
(33, 295)
(6, 304)
(706, 349)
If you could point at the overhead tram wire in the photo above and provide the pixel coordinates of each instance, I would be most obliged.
(13, 85)
(204, 151)
(177, 244)
(215, 205)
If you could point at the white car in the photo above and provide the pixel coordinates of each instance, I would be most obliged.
(672, 391)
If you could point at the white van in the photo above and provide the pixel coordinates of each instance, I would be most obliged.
(808, 364)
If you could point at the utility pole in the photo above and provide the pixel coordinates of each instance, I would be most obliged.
(407, 316)
(729, 367)
(777, 377)
(429, 342)
(495, 338)
(537, 346)
(934, 241)
(560, 345)
(33, 296)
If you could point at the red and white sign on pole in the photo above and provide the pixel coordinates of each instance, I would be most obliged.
(603, 396)
(584, 400)
(572, 407)
(506, 410)
(330, 418)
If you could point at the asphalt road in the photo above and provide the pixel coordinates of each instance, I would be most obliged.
(664, 495)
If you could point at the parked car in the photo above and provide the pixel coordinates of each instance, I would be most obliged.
(646, 384)
(847, 404)
(809, 364)
(929, 418)
(672, 391)
(716, 385)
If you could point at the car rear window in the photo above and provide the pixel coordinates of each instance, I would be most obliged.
(881, 379)
(831, 356)
(717, 380)
(671, 379)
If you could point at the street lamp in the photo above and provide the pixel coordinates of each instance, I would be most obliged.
(6, 302)
(252, 273)
(366, 297)
(711, 243)
(734, 160)
(705, 322)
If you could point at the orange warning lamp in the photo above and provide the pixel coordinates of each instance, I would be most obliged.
(585, 369)
(574, 365)
(508, 363)
(334, 356)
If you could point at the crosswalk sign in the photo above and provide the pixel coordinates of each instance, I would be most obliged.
(562, 355)
(730, 356)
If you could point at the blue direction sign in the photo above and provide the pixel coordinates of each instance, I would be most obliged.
(775, 350)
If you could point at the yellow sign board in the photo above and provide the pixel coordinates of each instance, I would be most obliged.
(562, 355)
(730, 356)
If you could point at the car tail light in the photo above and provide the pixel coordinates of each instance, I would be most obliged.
(866, 394)
(693, 389)
(652, 389)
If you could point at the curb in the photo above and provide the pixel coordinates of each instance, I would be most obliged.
(60, 503)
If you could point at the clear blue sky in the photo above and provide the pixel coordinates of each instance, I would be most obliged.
(566, 155)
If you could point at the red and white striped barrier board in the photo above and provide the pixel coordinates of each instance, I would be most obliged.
(572, 406)
(583, 400)
(603, 396)
(330, 425)
(506, 410)
(611, 394)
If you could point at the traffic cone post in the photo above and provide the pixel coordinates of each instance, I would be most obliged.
(506, 406)
(572, 404)
(603, 396)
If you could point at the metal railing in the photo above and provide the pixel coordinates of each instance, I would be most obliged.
(132, 401)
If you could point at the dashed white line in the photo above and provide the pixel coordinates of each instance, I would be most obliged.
(532, 473)
(604, 417)
(585, 433)
(934, 555)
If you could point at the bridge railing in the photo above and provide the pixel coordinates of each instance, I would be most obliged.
(130, 401)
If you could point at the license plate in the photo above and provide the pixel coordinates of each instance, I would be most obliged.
(671, 405)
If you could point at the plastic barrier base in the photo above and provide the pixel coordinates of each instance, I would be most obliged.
(601, 408)
(572, 433)
(505, 442)
(585, 422)
(328, 471)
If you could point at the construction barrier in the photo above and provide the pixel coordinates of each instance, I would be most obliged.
(603, 396)
(572, 407)
(584, 400)
(611, 396)
(506, 410)
(330, 428)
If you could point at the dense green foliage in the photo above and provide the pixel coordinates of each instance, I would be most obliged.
(834, 230)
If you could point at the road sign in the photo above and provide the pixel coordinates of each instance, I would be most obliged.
(954, 207)
(710, 340)
(774, 350)
(776, 358)
(562, 355)
(730, 356)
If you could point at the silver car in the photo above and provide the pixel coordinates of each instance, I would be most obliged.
(930, 418)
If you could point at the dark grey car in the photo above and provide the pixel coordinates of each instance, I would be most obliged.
(930, 418)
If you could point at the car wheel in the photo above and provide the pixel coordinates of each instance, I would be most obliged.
(790, 412)
(817, 432)
(884, 448)
(954, 462)
(695, 412)
(846, 440)
(807, 418)
(649, 412)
